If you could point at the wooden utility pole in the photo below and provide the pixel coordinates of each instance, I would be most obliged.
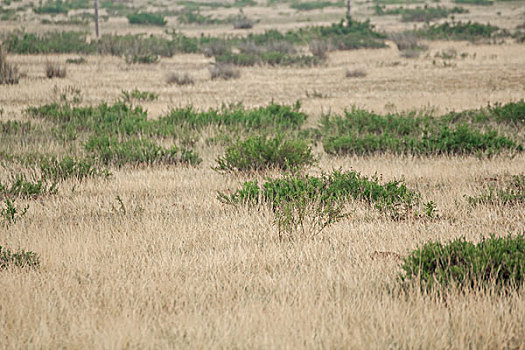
(96, 18)
(348, 11)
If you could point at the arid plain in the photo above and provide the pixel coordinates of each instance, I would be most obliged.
(149, 258)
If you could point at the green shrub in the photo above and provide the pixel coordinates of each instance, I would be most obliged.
(392, 197)
(315, 5)
(52, 7)
(271, 117)
(119, 118)
(510, 193)
(494, 261)
(362, 132)
(260, 153)
(11, 214)
(142, 59)
(109, 150)
(419, 14)
(137, 95)
(68, 167)
(49, 42)
(14, 127)
(470, 31)
(475, 2)
(20, 259)
(146, 19)
(20, 186)
(512, 114)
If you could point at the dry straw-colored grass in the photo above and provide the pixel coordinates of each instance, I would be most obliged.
(175, 268)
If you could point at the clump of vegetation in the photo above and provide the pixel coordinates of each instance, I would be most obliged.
(109, 150)
(494, 262)
(78, 60)
(8, 71)
(21, 259)
(470, 31)
(138, 95)
(355, 73)
(145, 18)
(225, 71)
(419, 14)
(408, 43)
(475, 2)
(53, 7)
(509, 193)
(392, 197)
(141, 59)
(261, 153)
(55, 70)
(180, 79)
(362, 132)
(315, 5)
(195, 17)
(58, 170)
(274, 117)
(20, 186)
(319, 49)
(241, 21)
(10, 213)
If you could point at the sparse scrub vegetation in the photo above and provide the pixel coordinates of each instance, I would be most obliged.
(180, 79)
(355, 73)
(510, 191)
(225, 71)
(8, 71)
(419, 14)
(11, 213)
(55, 70)
(494, 262)
(20, 259)
(470, 31)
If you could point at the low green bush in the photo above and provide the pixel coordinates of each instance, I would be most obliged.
(419, 14)
(261, 153)
(392, 197)
(495, 261)
(475, 2)
(110, 151)
(271, 117)
(315, 5)
(20, 186)
(57, 170)
(52, 7)
(14, 127)
(470, 31)
(463, 140)
(22, 259)
(145, 18)
(10, 213)
(469, 132)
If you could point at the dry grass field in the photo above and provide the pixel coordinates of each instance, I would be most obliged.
(149, 258)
